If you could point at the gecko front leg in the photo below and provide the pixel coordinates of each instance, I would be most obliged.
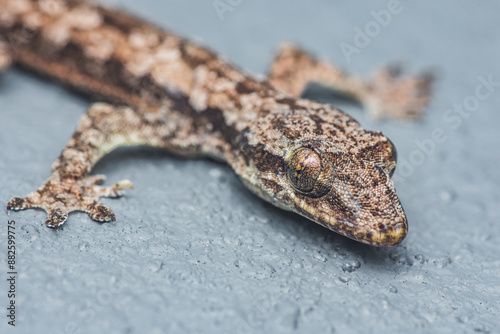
(70, 187)
(387, 94)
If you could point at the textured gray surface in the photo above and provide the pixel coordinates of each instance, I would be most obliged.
(194, 251)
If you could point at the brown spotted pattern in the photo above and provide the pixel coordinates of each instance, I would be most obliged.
(167, 92)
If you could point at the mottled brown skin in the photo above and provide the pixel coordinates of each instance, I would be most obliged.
(164, 91)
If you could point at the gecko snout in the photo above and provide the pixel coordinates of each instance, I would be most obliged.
(390, 234)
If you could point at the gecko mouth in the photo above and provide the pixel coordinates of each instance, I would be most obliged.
(380, 234)
(385, 230)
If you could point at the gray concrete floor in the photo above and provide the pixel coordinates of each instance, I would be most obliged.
(193, 251)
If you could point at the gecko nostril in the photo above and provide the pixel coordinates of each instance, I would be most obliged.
(381, 226)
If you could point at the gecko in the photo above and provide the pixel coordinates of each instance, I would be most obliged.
(154, 88)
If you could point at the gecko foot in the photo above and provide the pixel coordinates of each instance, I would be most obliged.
(394, 95)
(60, 197)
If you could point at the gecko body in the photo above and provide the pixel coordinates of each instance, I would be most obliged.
(164, 91)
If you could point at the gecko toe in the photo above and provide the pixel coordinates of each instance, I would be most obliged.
(18, 203)
(56, 218)
(96, 179)
(399, 96)
(426, 80)
(395, 70)
(118, 189)
(101, 213)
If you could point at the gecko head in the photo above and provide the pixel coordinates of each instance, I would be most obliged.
(347, 187)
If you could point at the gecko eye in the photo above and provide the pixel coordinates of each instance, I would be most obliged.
(309, 173)
(393, 150)
(394, 154)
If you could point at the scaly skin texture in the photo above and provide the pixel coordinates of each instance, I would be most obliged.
(164, 91)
